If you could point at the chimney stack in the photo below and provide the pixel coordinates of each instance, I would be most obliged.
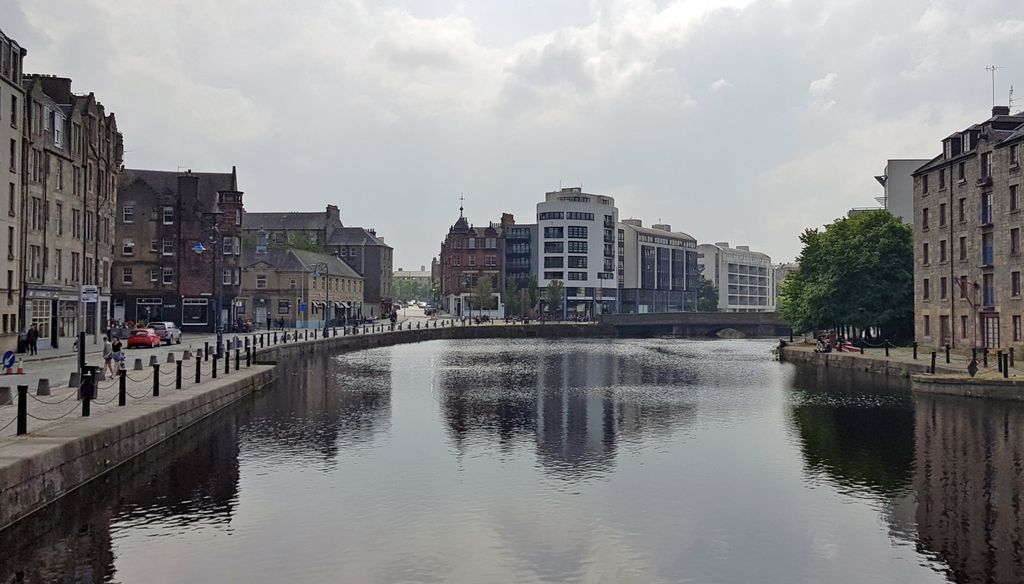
(1000, 110)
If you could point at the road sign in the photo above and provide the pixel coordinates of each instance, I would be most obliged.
(302, 307)
(89, 293)
(8, 359)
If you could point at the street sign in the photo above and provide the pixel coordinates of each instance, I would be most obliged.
(8, 359)
(89, 293)
(302, 307)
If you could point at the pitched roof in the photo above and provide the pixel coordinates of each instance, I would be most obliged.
(166, 181)
(354, 236)
(334, 264)
(294, 221)
(296, 260)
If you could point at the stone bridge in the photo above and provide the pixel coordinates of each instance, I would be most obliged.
(697, 324)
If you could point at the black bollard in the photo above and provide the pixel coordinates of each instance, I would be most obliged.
(886, 348)
(199, 371)
(214, 368)
(999, 360)
(1011, 356)
(947, 354)
(915, 351)
(933, 363)
(87, 389)
(238, 358)
(261, 340)
(984, 356)
(122, 387)
(206, 350)
(22, 410)
(227, 363)
(156, 380)
(791, 335)
(1006, 366)
(246, 342)
(177, 374)
(862, 349)
(974, 354)
(248, 358)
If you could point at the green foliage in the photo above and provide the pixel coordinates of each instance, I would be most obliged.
(857, 272)
(482, 296)
(406, 290)
(532, 292)
(707, 295)
(513, 297)
(553, 296)
(302, 242)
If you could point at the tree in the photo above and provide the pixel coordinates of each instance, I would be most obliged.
(406, 290)
(482, 295)
(707, 295)
(553, 295)
(857, 272)
(532, 292)
(303, 242)
(513, 297)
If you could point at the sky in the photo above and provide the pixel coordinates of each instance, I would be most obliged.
(744, 121)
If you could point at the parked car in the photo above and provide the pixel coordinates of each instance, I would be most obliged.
(144, 337)
(168, 331)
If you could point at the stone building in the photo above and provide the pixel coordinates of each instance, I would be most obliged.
(744, 277)
(178, 241)
(520, 249)
(967, 237)
(12, 99)
(360, 248)
(467, 254)
(73, 155)
(297, 288)
(656, 268)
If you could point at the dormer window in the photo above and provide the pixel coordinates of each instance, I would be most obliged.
(965, 145)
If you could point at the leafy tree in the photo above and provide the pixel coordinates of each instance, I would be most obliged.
(482, 295)
(707, 295)
(303, 242)
(513, 297)
(553, 295)
(405, 290)
(532, 292)
(856, 272)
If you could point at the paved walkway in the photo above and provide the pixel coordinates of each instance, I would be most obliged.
(958, 358)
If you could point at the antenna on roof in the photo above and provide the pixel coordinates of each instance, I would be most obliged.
(993, 69)
(461, 200)
(1012, 99)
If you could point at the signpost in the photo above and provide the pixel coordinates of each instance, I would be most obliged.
(87, 294)
(9, 361)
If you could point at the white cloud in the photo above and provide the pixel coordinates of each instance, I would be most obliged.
(720, 85)
(823, 86)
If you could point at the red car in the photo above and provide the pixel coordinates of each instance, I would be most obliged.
(144, 337)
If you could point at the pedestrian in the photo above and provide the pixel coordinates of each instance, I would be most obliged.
(108, 354)
(32, 337)
(117, 352)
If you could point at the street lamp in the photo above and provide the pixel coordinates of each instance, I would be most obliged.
(218, 284)
(326, 268)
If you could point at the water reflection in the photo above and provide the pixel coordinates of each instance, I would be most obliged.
(969, 483)
(577, 402)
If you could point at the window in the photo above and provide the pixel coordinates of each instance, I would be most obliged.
(14, 112)
(261, 281)
(962, 211)
(963, 249)
(577, 275)
(471, 243)
(11, 199)
(986, 165)
(168, 246)
(549, 216)
(943, 287)
(1014, 283)
(168, 276)
(927, 326)
(554, 233)
(226, 277)
(128, 214)
(942, 215)
(1016, 327)
(963, 327)
(75, 265)
(228, 245)
(458, 261)
(471, 261)
(126, 276)
(284, 306)
(577, 261)
(924, 253)
(10, 243)
(1015, 241)
(577, 232)
(168, 215)
(59, 219)
(942, 178)
(924, 183)
(553, 275)
(127, 247)
(1014, 200)
(924, 218)
(961, 172)
(58, 130)
(986, 208)
(488, 261)
(554, 247)
(1015, 155)
(942, 251)
(926, 289)
(577, 247)
(553, 261)
(578, 216)
(154, 275)
(491, 243)
(238, 216)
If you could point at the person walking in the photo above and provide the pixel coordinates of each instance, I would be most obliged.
(32, 337)
(117, 353)
(108, 354)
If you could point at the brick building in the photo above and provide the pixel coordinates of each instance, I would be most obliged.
(12, 98)
(72, 153)
(361, 248)
(967, 237)
(158, 274)
(467, 254)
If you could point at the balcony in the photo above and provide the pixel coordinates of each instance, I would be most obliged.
(984, 181)
(609, 224)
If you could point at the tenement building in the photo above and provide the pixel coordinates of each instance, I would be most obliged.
(520, 245)
(576, 246)
(468, 254)
(178, 248)
(656, 268)
(72, 159)
(297, 288)
(12, 98)
(361, 248)
(743, 277)
(967, 237)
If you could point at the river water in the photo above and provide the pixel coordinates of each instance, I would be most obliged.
(555, 461)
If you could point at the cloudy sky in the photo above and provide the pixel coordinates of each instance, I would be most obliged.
(735, 120)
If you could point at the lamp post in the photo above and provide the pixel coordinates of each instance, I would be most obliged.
(218, 284)
(326, 269)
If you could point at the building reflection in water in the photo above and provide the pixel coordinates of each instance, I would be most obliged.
(969, 481)
(576, 406)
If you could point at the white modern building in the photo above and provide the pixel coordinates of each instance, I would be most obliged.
(657, 268)
(897, 189)
(744, 278)
(576, 246)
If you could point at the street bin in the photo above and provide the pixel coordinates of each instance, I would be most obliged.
(87, 387)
